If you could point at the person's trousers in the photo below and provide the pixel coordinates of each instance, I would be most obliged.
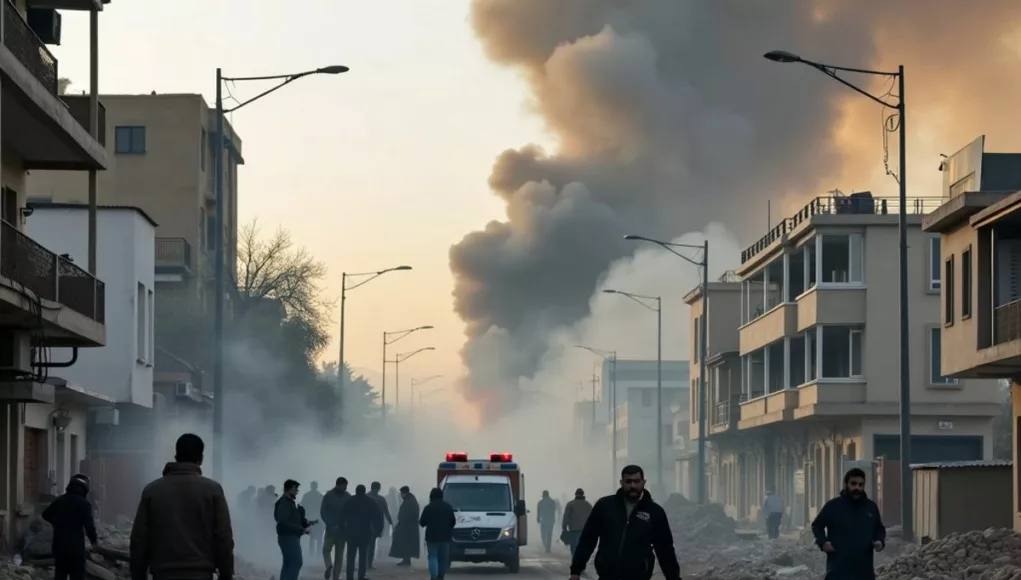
(290, 549)
(69, 568)
(333, 541)
(359, 549)
(374, 544)
(315, 540)
(547, 535)
(572, 540)
(773, 525)
(439, 558)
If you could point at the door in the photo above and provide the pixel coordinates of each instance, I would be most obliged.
(35, 465)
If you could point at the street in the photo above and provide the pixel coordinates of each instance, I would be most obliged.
(535, 565)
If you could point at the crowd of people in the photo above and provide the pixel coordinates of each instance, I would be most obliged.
(183, 527)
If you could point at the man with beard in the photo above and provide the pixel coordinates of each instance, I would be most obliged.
(850, 530)
(71, 518)
(291, 526)
(312, 501)
(333, 541)
(385, 510)
(359, 519)
(406, 544)
(628, 527)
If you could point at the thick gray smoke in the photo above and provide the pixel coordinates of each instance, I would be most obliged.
(667, 117)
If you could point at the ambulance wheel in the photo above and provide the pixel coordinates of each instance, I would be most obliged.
(514, 563)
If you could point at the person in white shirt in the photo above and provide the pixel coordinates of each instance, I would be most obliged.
(773, 508)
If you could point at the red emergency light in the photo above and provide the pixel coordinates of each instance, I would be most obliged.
(500, 457)
(462, 457)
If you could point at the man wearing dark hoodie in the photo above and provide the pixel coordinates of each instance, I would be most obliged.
(291, 526)
(438, 520)
(359, 519)
(182, 527)
(333, 540)
(629, 527)
(71, 518)
(850, 530)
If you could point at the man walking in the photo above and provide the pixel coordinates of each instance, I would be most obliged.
(385, 510)
(291, 526)
(546, 513)
(312, 501)
(359, 519)
(333, 541)
(71, 518)
(576, 513)
(772, 507)
(850, 530)
(438, 520)
(182, 526)
(406, 544)
(628, 527)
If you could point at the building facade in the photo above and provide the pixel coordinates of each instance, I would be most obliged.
(46, 301)
(978, 232)
(816, 374)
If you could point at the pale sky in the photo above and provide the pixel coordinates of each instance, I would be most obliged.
(381, 166)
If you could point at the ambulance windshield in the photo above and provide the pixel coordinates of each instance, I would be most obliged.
(478, 496)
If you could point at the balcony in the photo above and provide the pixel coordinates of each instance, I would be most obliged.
(772, 408)
(725, 415)
(27, 48)
(78, 106)
(173, 259)
(845, 306)
(42, 291)
(779, 322)
(830, 398)
(1007, 322)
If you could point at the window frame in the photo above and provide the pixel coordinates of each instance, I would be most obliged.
(934, 381)
(861, 348)
(966, 283)
(855, 254)
(935, 246)
(948, 291)
(141, 314)
(130, 147)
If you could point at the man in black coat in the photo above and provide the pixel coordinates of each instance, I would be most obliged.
(850, 530)
(629, 527)
(438, 520)
(359, 519)
(71, 518)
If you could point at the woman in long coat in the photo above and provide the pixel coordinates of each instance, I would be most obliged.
(406, 544)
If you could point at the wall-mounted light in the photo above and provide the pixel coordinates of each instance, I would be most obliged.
(61, 419)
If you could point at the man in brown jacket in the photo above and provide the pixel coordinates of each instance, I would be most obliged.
(182, 528)
(576, 513)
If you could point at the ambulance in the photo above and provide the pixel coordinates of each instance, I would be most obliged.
(488, 496)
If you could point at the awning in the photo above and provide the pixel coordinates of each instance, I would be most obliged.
(77, 395)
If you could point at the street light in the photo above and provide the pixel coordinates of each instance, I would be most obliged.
(401, 357)
(703, 346)
(397, 335)
(658, 309)
(906, 491)
(611, 403)
(219, 279)
(417, 383)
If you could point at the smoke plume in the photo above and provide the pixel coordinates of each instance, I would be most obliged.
(666, 118)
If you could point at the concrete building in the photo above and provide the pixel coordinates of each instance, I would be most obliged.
(816, 372)
(978, 267)
(626, 374)
(45, 300)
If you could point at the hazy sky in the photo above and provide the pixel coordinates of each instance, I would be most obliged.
(384, 165)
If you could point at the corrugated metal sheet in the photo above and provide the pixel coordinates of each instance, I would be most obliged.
(963, 464)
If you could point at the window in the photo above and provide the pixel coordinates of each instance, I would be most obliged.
(211, 233)
(934, 260)
(479, 496)
(841, 352)
(841, 259)
(129, 140)
(948, 293)
(966, 284)
(141, 348)
(809, 264)
(202, 150)
(646, 398)
(936, 359)
(151, 326)
(696, 341)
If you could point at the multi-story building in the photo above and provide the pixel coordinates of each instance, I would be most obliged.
(976, 266)
(121, 373)
(819, 360)
(46, 301)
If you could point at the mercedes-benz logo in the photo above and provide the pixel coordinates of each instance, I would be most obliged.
(476, 533)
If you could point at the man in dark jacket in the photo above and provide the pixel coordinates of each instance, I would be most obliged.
(182, 526)
(406, 544)
(359, 519)
(850, 530)
(385, 510)
(291, 526)
(546, 514)
(333, 541)
(628, 527)
(576, 513)
(438, 520)
(312, 501)
(71, 518)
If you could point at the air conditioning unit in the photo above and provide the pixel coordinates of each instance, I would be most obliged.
(106, 416)
(45, 23)
(15, 354)
(183, 389)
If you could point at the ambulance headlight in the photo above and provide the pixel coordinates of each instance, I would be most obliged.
(508, 532)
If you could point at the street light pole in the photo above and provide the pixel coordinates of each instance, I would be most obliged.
(401, 357)
(906, 490)
(417, 383)
(703, 350)
(219, 280)
(658, 309)
(397, 335)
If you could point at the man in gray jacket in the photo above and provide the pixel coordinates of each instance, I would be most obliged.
(333, 504)
(576, 513)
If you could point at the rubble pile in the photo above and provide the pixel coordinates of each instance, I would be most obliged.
(703, 524)
(993, 554)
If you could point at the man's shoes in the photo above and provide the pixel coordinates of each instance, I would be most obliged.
(326, 575)
(404, 562)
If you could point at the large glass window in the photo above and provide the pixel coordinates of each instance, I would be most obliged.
(809, 264)
(841, 260)
(936, 359)
(934, 263)
(478, 496)
(841, 352)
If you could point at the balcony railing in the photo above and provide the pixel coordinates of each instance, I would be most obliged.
(854, 204)
(1007, 321)
(27, 48)
(78, 106)
(173, 253)
(723, 412)
(49, 276)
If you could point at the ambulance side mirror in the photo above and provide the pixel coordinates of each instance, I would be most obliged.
(519, 508)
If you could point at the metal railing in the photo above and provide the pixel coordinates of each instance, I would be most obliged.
(49, 276)
(725, 412)
(27, 48)
(173, 253)
(78, 106)
(853, 204)
(1007, 322)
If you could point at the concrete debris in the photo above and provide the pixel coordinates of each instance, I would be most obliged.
(992, 554)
